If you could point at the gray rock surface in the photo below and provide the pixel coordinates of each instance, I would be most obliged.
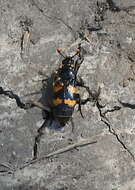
(109, 64)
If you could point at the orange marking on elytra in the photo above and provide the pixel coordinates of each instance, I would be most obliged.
(72, 89)
(70, 102)
(57, 85)
(57, 88)
(57, 101)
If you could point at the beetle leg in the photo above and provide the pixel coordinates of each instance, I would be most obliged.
(59, 50)
(78, 63)
(81, 102)
(79, 81)
(84, 101)
(79, 106)
(94, 95)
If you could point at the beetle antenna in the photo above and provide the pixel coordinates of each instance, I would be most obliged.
(78, 50)
(59, 50)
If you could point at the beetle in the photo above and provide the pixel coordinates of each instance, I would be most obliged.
(65, 97)
(64, 88)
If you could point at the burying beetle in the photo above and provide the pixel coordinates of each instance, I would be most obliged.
(65, 94)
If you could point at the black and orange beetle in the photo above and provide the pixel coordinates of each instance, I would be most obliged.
(65, 97)
(65, 89)
(65, 93)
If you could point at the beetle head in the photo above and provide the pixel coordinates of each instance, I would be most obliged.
(68, 61)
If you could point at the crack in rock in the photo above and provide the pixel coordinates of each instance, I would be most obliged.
(113, 132)
(106, 121)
